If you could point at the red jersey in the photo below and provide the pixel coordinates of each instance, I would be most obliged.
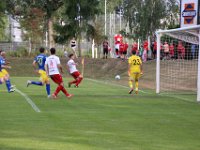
(135, 47)
(121, 47)
(118, 37)
(155, 46)
(179, 48)
(171, 49)
(125, 46)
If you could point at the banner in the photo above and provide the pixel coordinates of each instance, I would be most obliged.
(189, 13)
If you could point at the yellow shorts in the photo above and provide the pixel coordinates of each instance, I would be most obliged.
(43, 76)
(5, 72)
(134, 76)
(2, 75)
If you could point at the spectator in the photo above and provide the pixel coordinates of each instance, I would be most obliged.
(145, 51)
(171, 50)
(179, 49)
(105, 49)
(193, 49)
(154, 49)
(135, 48)
(121, 49)
(125, 50)
(166, 50)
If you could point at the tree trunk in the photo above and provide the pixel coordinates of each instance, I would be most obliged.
(79, 47)
(50, 29)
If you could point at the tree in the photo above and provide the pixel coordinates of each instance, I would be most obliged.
(23, 11)
(78, 20)
(144, 17)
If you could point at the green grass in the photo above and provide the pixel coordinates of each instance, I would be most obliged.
(99, 117)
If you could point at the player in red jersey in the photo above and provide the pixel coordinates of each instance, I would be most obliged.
(52, 67)
(71, 65)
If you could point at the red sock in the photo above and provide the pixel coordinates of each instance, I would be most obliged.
(79, 81)
(64, 90)
(57, 90)
(73, 82)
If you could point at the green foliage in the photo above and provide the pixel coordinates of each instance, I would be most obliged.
(19, 52)
(144, 17)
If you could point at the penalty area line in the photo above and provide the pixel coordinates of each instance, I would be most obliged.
(33, 105)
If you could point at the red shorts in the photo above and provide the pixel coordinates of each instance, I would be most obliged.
(57, 78)
(76, 74)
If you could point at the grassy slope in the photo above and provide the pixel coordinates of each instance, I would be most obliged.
(99, 117)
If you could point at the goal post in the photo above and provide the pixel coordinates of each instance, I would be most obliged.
(179, 73)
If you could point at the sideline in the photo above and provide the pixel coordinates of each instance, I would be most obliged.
(28, 100)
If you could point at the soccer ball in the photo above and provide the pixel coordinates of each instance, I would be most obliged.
(117, 77)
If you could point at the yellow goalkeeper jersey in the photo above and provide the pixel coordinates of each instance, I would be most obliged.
(135, 62)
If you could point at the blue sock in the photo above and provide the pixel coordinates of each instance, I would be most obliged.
(8, 85)
(48, 89)
(36, 83)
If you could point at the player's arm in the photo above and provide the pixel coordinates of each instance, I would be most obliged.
(46, 69)
(6, 66)
(60, 68)
(34, 64)
(59, 65)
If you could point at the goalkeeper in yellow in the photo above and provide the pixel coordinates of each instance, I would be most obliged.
(134, 71)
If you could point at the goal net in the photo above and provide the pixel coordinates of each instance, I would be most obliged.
(177, 71)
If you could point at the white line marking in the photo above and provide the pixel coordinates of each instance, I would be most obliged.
(29, 100)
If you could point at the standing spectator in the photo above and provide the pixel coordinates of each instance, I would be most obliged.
(118, 39)
(166, 50)
(193, 48)
(135, 48)
(183, 52)
(145, 51)
(121, 49)
(125, 50)
(179, 49)
(117, 44)
(53, 69)
(154, 49)
(171, 50)
(105, 49)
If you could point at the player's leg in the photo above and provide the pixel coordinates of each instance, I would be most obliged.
(74, 81)
(79, 79)
(7, 76)
(8, 84)
(137, 76)
(38, 83)
(45, 80)
(58, 80)
(131, 77)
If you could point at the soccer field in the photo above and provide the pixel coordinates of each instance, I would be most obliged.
(99, 117)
